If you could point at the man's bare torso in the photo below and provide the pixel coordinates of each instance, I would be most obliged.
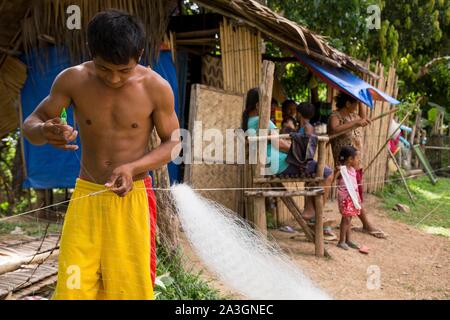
(114, 123)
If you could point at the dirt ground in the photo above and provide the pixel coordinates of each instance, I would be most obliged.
(412, 263)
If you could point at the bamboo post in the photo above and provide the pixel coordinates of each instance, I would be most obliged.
(319, 248)
(259, 214)
(385, 130)
(321, 159)
(259, 203)
(265, 99)
(318, 201)
(223, 55)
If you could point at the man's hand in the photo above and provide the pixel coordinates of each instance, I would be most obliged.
(58, 134)
(121, 180)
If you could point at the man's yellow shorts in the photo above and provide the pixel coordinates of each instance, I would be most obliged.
(108, 244)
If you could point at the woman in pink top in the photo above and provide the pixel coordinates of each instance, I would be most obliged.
(348, 206)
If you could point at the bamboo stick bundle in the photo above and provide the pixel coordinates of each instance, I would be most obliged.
(239, 54)
(374, 135)
(226, 56)
(385, 131)
(247, 63)
(387, 123)
(223, 55)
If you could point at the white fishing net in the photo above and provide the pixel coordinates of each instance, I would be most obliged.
(242, 258)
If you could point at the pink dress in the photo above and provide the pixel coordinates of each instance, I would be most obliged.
(346, 206)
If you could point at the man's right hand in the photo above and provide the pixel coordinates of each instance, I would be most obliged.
(58, 134)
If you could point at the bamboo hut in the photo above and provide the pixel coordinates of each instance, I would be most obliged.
(218, 53)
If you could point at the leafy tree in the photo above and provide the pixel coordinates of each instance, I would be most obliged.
(412, 33)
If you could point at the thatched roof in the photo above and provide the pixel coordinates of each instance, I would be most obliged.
(283, 31)
(42, 18)
(32, 23)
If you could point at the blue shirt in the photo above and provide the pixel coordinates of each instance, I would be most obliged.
(273, 154)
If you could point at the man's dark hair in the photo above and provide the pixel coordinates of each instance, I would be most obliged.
(274, 102)
(307, 110)
(116, 36)
(342, 98)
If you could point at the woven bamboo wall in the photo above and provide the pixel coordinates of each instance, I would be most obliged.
(212, 74)
(220, 110)
(241, 57)
(13, 74)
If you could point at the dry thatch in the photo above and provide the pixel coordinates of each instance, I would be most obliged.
(47, 22)
(283, 31)
(13, 74)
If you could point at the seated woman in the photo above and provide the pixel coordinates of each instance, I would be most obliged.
(277, 153)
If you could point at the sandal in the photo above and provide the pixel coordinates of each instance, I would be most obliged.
(287, 229)
(343, 245)
(376, 233)
(353, 245)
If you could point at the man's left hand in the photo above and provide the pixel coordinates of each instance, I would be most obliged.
(121, 181)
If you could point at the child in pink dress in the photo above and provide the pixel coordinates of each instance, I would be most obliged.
(349, 156)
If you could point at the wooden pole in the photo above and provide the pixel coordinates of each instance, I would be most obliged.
(265, 99)
(401, 175)
(334, 136)
(265, 90)
(318, 202)
(387, 141)
(321, 159)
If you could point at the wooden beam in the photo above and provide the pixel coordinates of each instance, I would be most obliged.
(304, 193)
(197, 42)
(282, 136)
(197, 33)
(274, 179)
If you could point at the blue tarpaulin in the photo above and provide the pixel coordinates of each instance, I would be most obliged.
(343, 80)
(46, 166)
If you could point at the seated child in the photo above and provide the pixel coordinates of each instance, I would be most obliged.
(288, 125)
(305, 111)
(289, 109)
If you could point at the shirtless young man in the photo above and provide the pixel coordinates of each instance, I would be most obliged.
(108, 242)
